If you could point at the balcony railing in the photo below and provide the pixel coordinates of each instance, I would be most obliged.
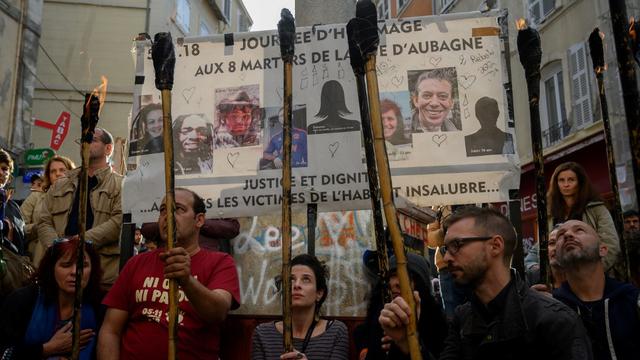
(555, 133)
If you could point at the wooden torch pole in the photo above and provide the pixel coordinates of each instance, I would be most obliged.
(164, 61)
(597, 58)
(530, 51)
(287, 33)
(357, 64)
(88, 123)
(367, 39)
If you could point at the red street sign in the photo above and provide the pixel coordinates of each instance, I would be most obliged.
(58, 131)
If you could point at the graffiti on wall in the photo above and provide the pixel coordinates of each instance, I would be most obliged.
(341, 239)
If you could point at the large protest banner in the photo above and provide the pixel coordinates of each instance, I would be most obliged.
(444, 105)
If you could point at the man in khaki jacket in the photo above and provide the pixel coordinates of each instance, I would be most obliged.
(59, 216)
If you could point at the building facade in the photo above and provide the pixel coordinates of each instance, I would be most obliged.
(85, 39)
(20, 30)
(391, 9)
(570, 112)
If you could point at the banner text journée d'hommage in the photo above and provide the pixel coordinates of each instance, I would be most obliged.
(443, 104)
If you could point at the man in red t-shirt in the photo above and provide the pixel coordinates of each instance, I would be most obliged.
(136, 323)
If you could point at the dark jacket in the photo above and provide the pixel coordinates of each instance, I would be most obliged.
(13, 214)
(17, 310)
(613, 323)
(530, 325)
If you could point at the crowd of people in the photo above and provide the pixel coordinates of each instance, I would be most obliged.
(483, 309)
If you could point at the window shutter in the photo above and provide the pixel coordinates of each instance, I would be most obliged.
(582, 110)
(535, 11)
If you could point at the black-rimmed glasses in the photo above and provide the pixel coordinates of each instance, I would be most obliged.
(452, 247)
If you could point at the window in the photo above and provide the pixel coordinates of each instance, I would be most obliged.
(401, 4)
(444, 5)
(383, 9)
(580, 94)
(204, 29)
(552, 107)
(540, 9)
(183, 15)
(226, 9)
(243, 25)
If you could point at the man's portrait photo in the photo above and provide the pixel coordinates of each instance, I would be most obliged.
(238, 117)
(434, 100)
(193, 144)
(272, 154)
(333, 111)
(489, 140)
(146, 131)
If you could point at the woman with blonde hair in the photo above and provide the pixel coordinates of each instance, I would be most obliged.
(571, 196)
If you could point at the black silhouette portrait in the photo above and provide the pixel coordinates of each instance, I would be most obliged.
(332, 110)
(489, 140)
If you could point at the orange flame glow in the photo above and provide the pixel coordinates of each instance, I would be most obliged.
(521, 23)
(100, 91)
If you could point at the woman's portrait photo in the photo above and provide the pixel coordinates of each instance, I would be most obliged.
(146, 131)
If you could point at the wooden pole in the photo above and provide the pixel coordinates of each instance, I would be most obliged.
(530, 52)
(597, 58)
(88, 121)
(627, 71)
(3, 202)
(357, 64)
(164, 60)
(287, 33)
(312, 222)
(367, 38)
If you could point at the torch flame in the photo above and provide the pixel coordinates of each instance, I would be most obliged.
(521, 23)
(100, 92)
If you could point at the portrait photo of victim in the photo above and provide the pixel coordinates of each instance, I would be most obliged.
(489, 140)
(146, 131)
(238, 117)
(193, 144)
(272, 154)
(434, 100)
(333, 112)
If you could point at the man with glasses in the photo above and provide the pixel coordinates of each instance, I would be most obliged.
(504, 319)
(238, 124)
(60, 209)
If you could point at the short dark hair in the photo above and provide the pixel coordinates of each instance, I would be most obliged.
(45, 275)
(490, 221)
(442, 74)
(34, 178)
(106, 136)
(198, 202)
(630, 213)
(6, 158)
(319, 270)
